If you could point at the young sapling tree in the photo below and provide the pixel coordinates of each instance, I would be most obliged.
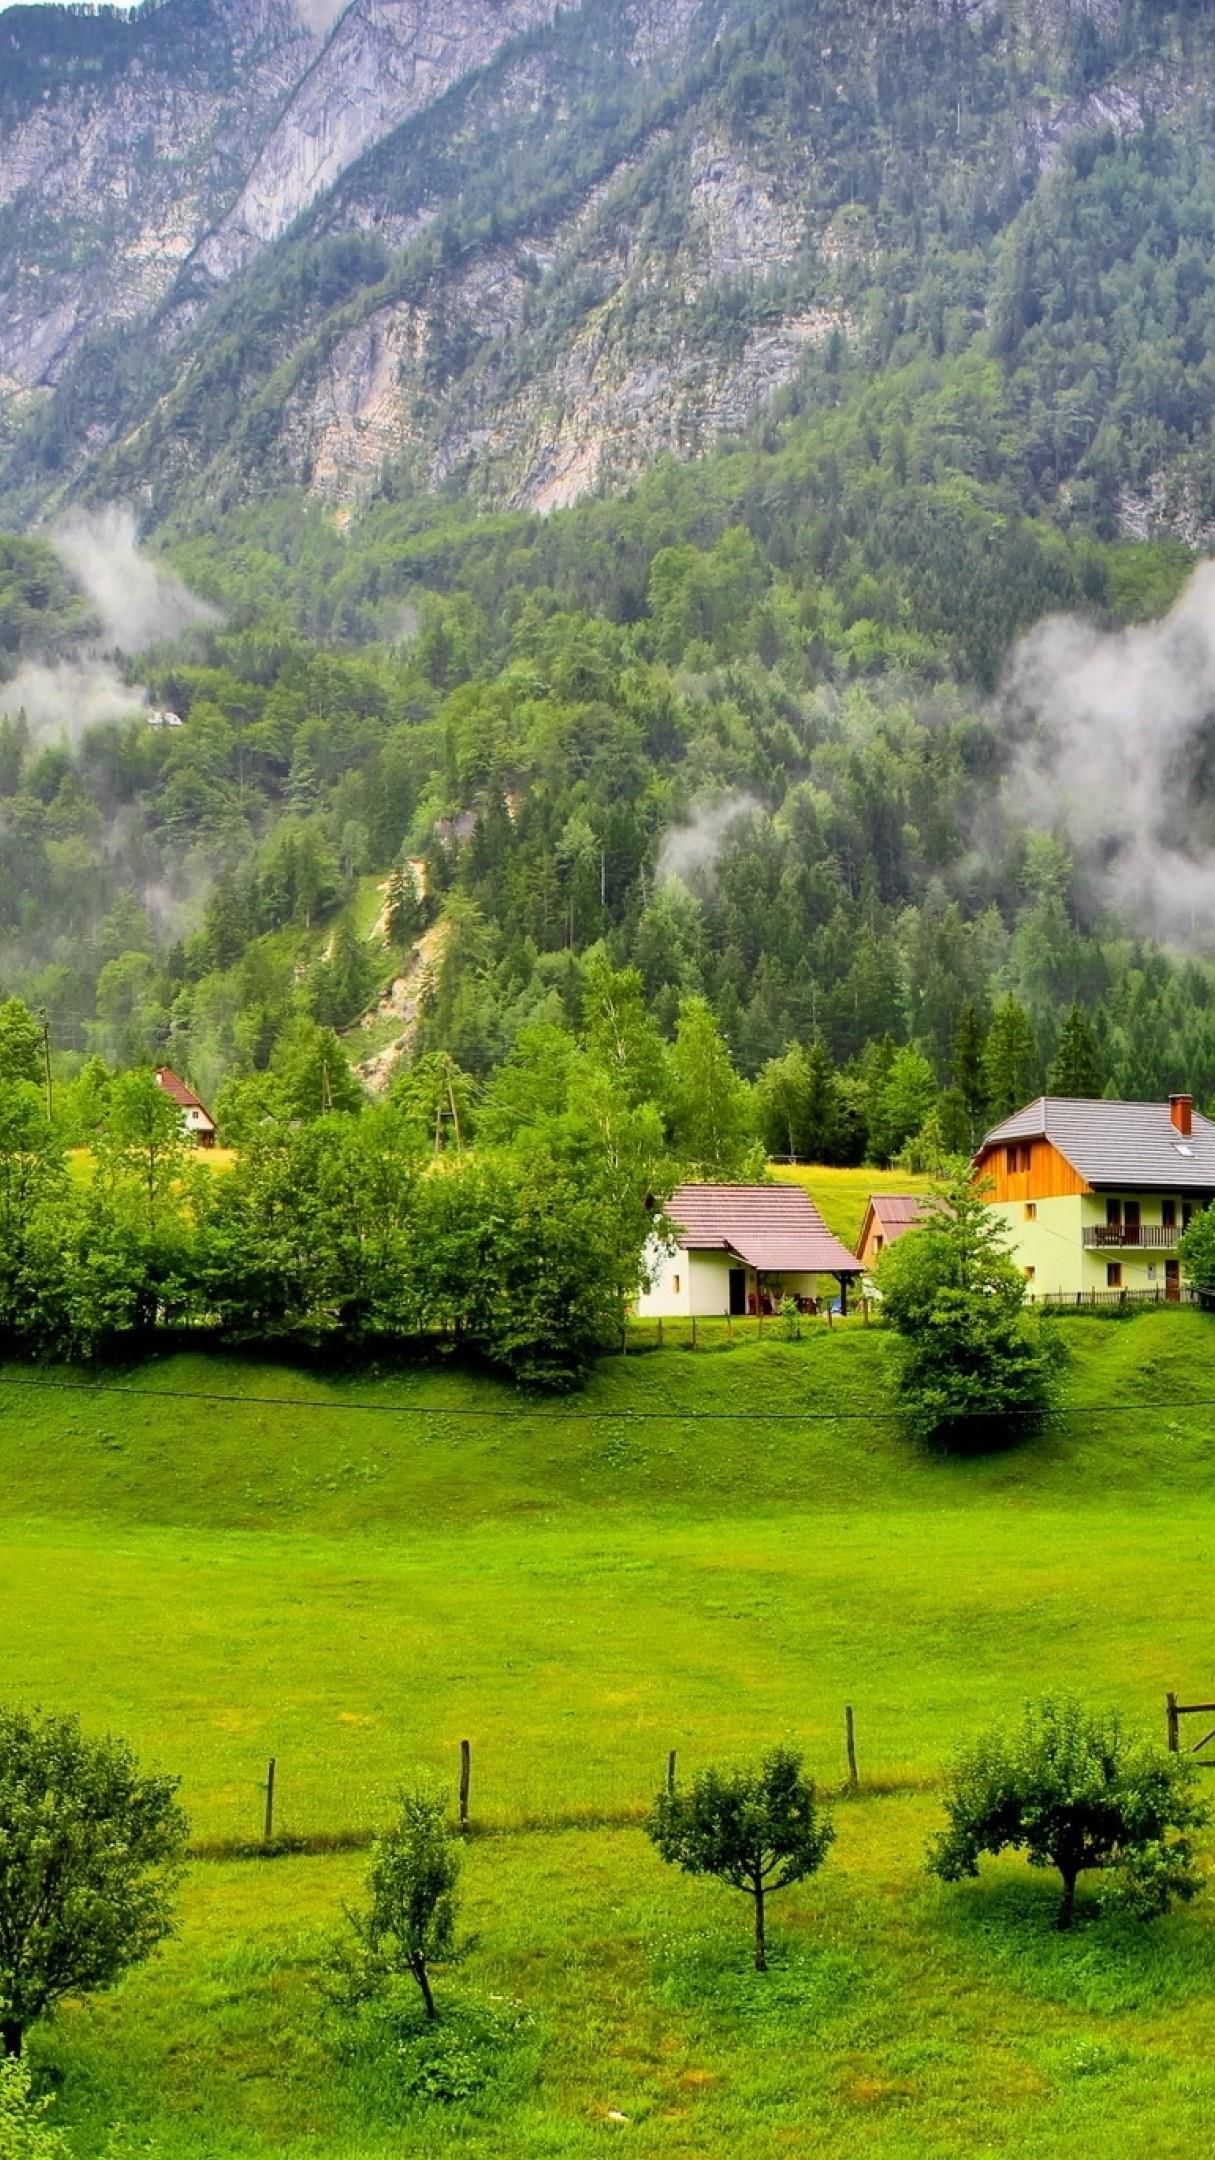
(1073, 1791)
(413, 1887)
(758, 1830)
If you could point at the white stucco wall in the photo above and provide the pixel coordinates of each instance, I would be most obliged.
(687, 1283)
(703, 1280)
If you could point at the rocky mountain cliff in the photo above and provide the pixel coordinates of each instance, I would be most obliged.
(508, 248)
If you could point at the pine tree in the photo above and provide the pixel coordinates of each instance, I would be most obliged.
(402, 910)
(1077, 1069)
(1011, 1067)
(966, 1068)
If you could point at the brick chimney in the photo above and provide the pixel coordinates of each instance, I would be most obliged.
(1181, 1114)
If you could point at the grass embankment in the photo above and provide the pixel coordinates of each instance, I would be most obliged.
(706, 1552)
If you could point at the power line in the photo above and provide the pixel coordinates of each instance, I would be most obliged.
(579, 1416)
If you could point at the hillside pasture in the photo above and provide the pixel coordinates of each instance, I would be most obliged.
(228, 1560)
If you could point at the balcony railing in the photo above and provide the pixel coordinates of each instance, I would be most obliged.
(1146, 1237)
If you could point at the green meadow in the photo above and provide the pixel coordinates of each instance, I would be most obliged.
(709, 1551)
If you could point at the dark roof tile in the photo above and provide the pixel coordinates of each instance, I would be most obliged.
(1132, 1144)
(774, 1228)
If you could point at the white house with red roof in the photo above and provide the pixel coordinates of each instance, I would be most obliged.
(197, 1121)
(741, 1249)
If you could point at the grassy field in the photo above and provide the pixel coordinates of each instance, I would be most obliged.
(227, 1560)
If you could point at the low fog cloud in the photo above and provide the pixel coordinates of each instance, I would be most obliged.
(693, 848)
(1118, 748)
(320, 15)
(62, 701)
(139, 602)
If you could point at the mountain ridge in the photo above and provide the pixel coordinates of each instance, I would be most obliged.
(616, 231)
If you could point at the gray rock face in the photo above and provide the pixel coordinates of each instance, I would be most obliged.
(655, 295)
(385, 60)
(106, 191)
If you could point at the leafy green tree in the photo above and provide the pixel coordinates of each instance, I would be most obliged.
(1076, 1069)
(437, 1097)
(314, 1072)
(91, 1852)
(25, 2133)
(797, 1102)
(1011, 1068)
(618, 1032)
(35, 1204)
(413, 1890)
(142, 1150)
(1075, 1792)
(1197, 1249)
(906, 1097)
(712, 1116)
(20, 1042)
(971, 1374)
(757, 1830)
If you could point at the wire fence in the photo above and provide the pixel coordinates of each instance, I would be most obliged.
(726, 1331)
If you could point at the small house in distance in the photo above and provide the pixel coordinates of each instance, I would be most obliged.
(1095, 1195)
(888, 1217)
(742, 1249)
(197, 1121)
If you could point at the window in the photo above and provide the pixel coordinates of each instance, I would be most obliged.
(676, 1286)
(1030, 1274)
(1113, 1274)
(1031, 1211)
(1113, 1212)
(1017, 1158)
(878, 1244)
(1168, 1214)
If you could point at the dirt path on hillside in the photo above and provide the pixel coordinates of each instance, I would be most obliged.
(401, 1002)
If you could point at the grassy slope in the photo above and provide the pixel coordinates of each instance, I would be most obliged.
(841, 1194)
(354, 1586)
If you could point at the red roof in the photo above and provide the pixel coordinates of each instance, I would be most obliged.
(897, 1211)
(181, 1094)
(776, 1229)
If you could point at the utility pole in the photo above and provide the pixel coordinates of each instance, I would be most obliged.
(46, 1065)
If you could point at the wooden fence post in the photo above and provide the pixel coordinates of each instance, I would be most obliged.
(465, 1782)
(850, 1742)
(1170, 1704)
(268, 1826)
(672, 1764)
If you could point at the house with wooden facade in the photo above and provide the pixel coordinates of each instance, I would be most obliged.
(742, 1249)
(1094, 1195)
(196, 1120)
(888, 1217)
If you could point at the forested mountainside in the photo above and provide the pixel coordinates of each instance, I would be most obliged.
(515, 250)
(760, 748)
